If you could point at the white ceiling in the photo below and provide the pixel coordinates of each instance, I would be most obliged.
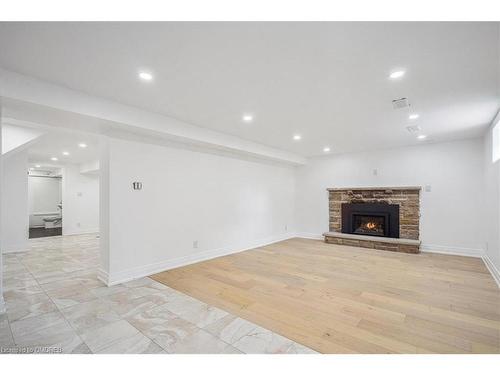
(326, 81)
(17, 136)
(52, 144)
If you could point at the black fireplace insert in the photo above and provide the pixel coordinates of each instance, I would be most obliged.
(371, 219)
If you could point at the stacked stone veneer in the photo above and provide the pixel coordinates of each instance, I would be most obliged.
(408, 199)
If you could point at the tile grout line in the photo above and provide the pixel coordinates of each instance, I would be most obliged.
(229, 313)
(7, 315)
(257, 326)
(67, 321)
(8, 319)
(176, 317)
(131, 323)
(144, 333)
(102, 298)
(57, 307)
(113, 309)
(221, 339)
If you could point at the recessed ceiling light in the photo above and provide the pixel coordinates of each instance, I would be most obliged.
(326, 149)
(38, 166)
(247, 117)
(397, 74)
(54, 158)
(82, 145)
(414, 116)
(297, 137)
(145, 76)
(65, 153)
(421, 136)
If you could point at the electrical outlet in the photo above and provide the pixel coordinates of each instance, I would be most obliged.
(428, 188)
(375, 172)
(79, 194)
(78, 225)
(286, 228)
(195, 244)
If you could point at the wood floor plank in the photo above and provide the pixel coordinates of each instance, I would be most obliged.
(340, 299)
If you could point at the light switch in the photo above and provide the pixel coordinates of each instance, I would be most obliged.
(428, 188)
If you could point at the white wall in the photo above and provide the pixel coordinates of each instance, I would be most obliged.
(14, 202)
(90, 168)
(44, 195)
(226, 204)
(492, 206)
(450, 213)
(104, 209)
(16, 136)
(80, 195)
(2, 301)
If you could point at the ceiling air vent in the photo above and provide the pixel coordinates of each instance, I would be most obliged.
(413, 129)
(400, 103)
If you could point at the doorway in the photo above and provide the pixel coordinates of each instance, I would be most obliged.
(45, 202)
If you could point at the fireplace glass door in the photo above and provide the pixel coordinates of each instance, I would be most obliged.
(373, 225)
(371, 219)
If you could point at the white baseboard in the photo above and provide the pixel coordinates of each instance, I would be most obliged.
(452, 250)
(426, 248)
(103, 276)
(150, 269)
(310, 236)
(492, 268)
(15, 247)
(72, 232)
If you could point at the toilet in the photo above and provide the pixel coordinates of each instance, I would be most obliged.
(52, 221)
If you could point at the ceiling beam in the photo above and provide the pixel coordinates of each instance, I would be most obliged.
(56, 104)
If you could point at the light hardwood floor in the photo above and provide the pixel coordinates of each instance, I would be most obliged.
(338, 299)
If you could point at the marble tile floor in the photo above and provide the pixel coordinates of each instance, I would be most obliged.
(55, 303)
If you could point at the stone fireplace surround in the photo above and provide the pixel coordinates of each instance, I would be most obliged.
(408, 199)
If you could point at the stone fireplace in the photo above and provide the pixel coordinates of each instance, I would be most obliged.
(383, 218)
